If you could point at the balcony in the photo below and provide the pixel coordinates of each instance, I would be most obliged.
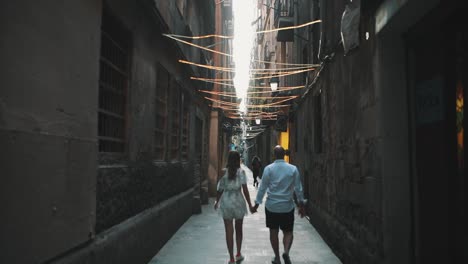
(283, 9)
(284, 17)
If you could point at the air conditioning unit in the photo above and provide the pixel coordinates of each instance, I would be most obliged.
(285, 35)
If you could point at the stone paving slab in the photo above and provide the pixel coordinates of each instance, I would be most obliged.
(201, 240)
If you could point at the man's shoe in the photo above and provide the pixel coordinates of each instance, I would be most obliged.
(286, 258)
(276, 260)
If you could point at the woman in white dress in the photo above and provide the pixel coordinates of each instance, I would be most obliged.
(231, 203)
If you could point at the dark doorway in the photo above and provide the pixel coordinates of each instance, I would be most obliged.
(199, 151)
(437, 70)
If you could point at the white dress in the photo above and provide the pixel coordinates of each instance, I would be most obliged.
(232, 202)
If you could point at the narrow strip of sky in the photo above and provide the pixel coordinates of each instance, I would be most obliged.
(243, 42)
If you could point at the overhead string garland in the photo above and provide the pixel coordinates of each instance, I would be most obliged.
(180, 37)
(258, 32)
(218, 68)
(255, 78)
(285, 69)
(283, 89)
(273, 104)
(257, 97)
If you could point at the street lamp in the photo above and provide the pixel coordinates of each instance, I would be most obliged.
(274, 81)
(257, 121)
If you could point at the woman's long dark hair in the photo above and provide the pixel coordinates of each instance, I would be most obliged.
(233, 164)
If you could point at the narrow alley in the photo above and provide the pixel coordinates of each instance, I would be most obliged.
(201, 240)
(118, 119)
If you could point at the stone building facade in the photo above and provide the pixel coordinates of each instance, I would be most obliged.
(337, 148)
(219, 142)
(375, 162)
(104, 135)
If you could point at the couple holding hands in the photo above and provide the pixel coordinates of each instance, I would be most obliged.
(280, 181)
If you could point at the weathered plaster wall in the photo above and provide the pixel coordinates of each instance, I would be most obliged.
(47, 126)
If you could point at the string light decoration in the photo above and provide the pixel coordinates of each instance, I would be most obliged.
(291, 27)
(235, 107)
(254, 87)
(254, 78)
(258, 32)
(262, 116)
(251, 118)
(252, 97)
(277, 103)
(283, 89)
(219, 68)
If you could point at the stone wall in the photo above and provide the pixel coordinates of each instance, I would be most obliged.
(48, 122)
(137, 239)
(126, 191)
(60, 193)
(130, 182)
(343, 177)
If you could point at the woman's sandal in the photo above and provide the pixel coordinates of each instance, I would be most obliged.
(239, 258)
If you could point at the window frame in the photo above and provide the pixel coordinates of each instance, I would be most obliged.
(175, 123)
(161, 113)
(185, 132)
(112, 108)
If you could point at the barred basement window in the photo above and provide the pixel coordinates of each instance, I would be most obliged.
(113, 84)
(185, 128)
(175, 120)
(162, 87)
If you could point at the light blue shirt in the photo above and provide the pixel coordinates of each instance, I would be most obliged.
(280, 179)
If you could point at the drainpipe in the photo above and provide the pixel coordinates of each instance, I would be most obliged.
(323, 6)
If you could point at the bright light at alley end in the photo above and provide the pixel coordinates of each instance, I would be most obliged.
(243, 44)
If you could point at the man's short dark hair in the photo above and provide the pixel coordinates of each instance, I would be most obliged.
(279, 152)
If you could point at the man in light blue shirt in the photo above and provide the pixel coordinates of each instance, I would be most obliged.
(280, 180)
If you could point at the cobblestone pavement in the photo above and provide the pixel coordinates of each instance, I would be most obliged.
(201, 240)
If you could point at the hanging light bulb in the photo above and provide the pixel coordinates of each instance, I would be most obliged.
(274, 83)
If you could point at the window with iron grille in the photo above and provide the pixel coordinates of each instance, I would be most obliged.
(286, 8)
(162, 88)
(175, 120)
(283, 8)
(185, 128)
(113, 84)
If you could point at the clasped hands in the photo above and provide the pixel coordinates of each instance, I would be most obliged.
(253, 209)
